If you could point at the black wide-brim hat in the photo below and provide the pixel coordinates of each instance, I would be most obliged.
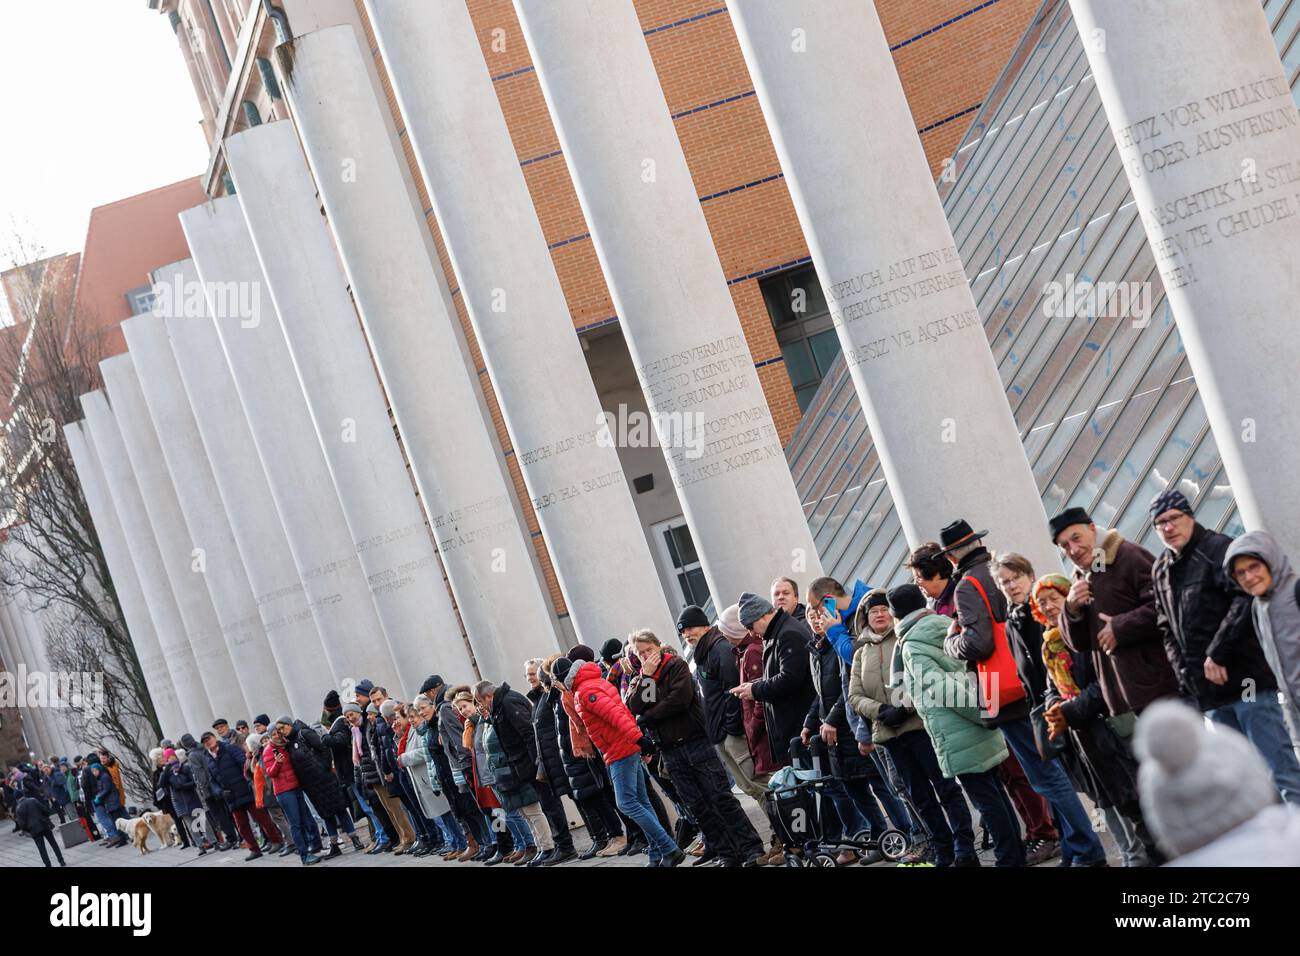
(957, 534)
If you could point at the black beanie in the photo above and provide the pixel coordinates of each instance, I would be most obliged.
(905, 599)
(877, 598)
(332, 700)
(560, 669)
(582, 653)
(611, 650)
(691, 616)
(262, 719)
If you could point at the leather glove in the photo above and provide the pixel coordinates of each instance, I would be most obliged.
(892, 716)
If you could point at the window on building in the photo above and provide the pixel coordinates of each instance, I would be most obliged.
(677, 552)
(804, 330)
(141, 300)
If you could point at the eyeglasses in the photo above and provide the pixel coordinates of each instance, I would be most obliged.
(1162, 523)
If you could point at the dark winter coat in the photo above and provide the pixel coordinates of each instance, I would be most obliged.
(178, 780)
(1137, 672)
(311, 763)
(1100, 762)
(824, 670)
(512, 718)
(749, 663)
(717, 673)
(106, 795)
(451, 733)
(1200, 613)
(974, 642)
(33, 816)
(786, 688)
(666, 703)
(198, 766)
(550, 761)
(338, 739)
(513, 791)
(584, 774)
(385, 752)
(1025, 636)
(163, 803)
(369, 768)
(226, 768)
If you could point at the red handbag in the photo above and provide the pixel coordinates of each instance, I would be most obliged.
(999, 683)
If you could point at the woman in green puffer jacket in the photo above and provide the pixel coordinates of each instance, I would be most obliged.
(943, 692)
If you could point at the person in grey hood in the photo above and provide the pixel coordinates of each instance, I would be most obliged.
(1256, 563)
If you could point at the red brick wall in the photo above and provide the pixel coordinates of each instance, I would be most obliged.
(945, 74)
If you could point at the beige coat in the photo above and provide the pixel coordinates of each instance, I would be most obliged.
(868, 685)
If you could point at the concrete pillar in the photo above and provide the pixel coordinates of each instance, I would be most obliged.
(34, 718)
(670, 293)
(12, 658)
(125, 582)
(176, 547)
(222, 569)
(124, 491)
(31, 645)
(38, 623)
(280, 423)
(890, 271)
(259, 535)
(1207, 129)
(347, 406)
(405, 305)
(517, 307)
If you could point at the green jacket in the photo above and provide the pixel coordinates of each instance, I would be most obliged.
(943, 692)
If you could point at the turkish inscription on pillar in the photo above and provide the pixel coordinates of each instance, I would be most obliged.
(891, 294)
(1218, 134)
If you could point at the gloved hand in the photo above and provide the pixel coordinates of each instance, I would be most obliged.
(892, 716)
(647, 746)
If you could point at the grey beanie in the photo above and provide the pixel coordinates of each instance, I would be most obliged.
(351, 707)
(286, 719)
(371, 709)
(1195, 783)
(752, 607)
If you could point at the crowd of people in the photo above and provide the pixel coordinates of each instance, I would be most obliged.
(974, 708)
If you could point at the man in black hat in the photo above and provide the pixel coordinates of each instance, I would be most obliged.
(981, 608)
(1110, 613)
(1209, 636)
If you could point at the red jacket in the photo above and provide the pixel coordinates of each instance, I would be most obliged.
(277, 764)
(749, 661)
(609, 723)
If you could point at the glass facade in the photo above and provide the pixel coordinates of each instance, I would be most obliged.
(1075, 313)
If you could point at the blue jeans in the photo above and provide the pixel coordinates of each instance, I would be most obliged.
(1264, 726)
(294, 805)
(105, 822)
(1079, 842)
(520, 832)
(632, 798)
(376, 829)
(452, 834)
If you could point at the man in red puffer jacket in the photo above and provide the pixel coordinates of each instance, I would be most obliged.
(615, 733)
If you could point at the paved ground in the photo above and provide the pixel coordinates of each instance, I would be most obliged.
(17, 850)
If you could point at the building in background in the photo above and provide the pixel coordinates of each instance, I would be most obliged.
(948, 52)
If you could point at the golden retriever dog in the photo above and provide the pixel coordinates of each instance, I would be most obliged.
(163, 826)
(138, 830)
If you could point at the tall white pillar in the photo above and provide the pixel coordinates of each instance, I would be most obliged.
(890, 271)
(670, 293)
(405, 305)
(125, 582)
(222, 569)
(124, 491)
(12, 658)
(31, 641)
(334, 365)
(517, 307)
(1206, 126)
(176, 547)
(34, 718)
(259, 535)
(280, 423)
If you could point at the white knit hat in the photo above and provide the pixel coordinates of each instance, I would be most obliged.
(1196, 782)
(729, 623)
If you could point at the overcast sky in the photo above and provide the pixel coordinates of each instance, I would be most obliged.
(95, 106)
